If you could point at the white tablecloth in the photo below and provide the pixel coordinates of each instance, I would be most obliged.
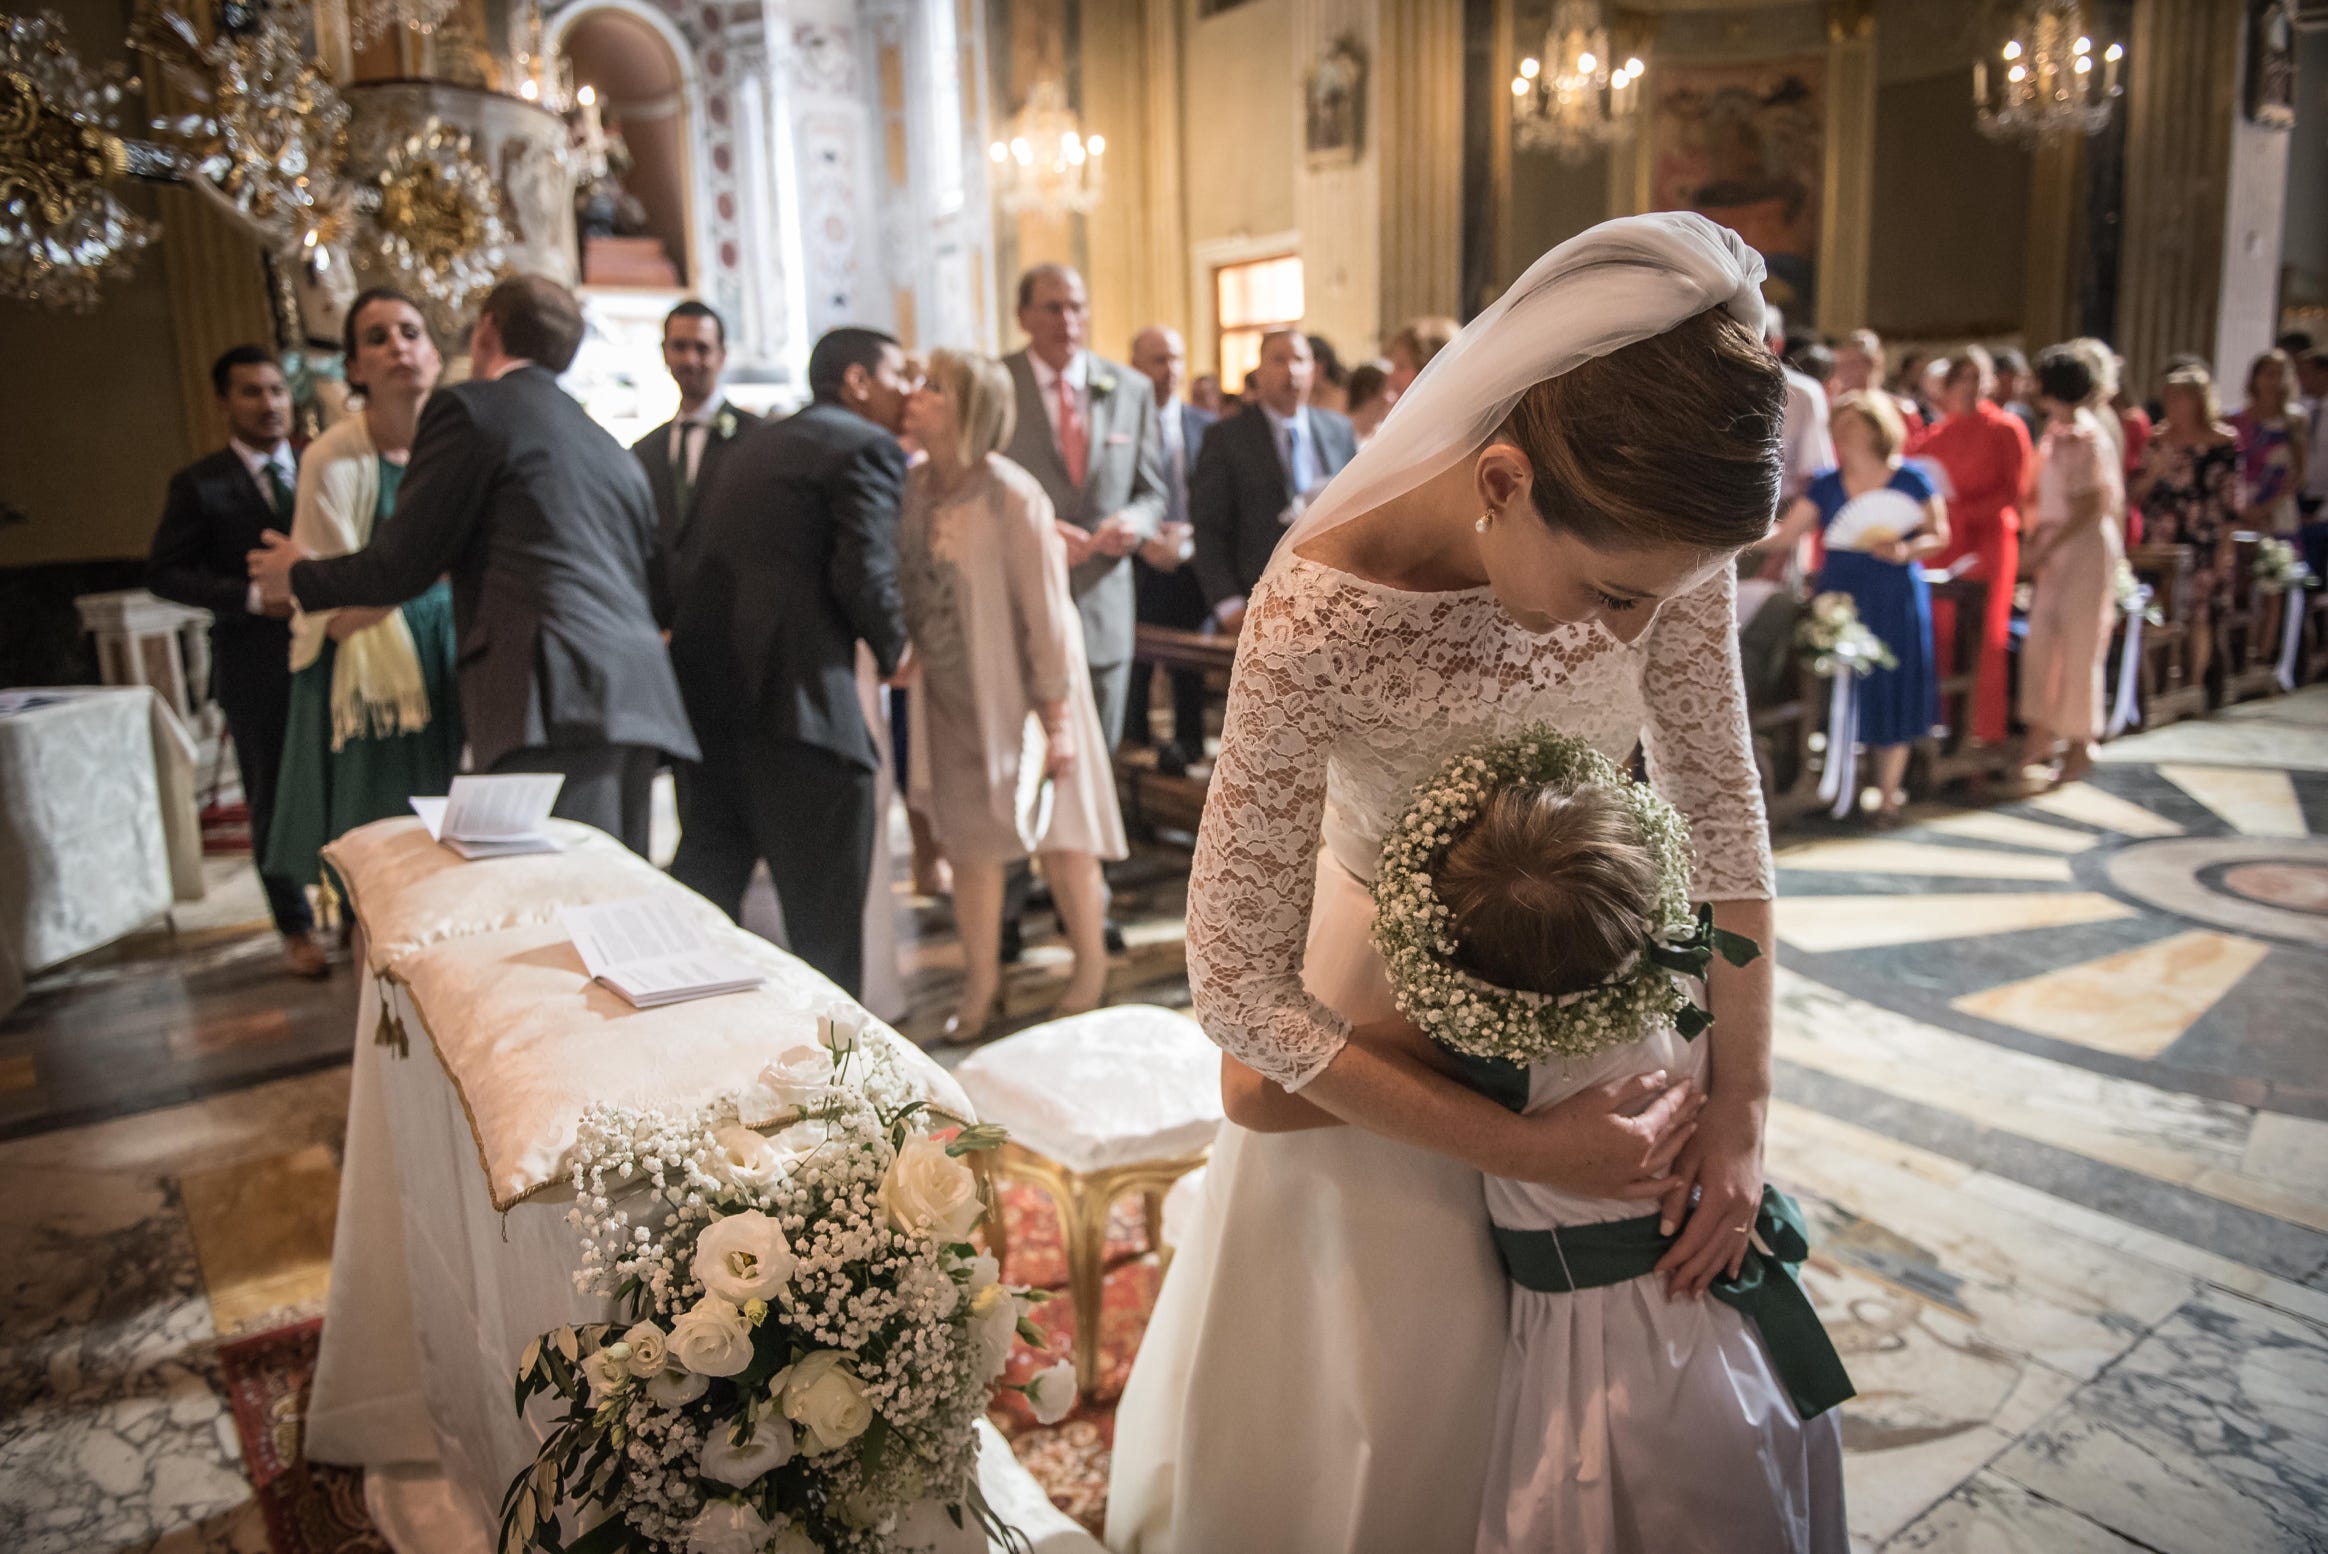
(98, 834)
(434, 1296)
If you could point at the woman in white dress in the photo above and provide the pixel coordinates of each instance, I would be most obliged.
(1542, 531)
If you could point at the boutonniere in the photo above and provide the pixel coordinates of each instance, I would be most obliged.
(726, 423)
(1101, 383)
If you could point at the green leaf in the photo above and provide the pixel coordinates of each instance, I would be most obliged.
(568, 1345)
(1033, 1334)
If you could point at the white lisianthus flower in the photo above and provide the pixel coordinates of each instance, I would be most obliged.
(745, 1158)
(796, 1541)
(743, 1257)
(677, 1389)
(930, 1193)
(606, 1373)
(924, 1527)
(796, 1077)
(711, 1339)
(650, 1351)
(1052, 1391)
(825, 1398)
(839, 1026)
(994, 1315)
(726, 1527)
(985, 1272)
(771, 1446)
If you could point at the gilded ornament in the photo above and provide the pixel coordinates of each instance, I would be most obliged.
(61, 230)
(434, 216)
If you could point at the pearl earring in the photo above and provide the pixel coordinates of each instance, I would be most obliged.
(1483, 520)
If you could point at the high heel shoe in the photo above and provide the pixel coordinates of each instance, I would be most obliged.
(1067, 1008)
(961, 1030)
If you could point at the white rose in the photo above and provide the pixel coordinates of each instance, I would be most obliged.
(796, 1077)
(839, 1026)
(745, 1158)
(649, 1353)
(796, 1541)
(725, 1527)
(771, 1446)
(711, 1339)
(677, 1389)
(924, 1527)
(930, 1193)
(994, 1315)
(1052, 1391)
(743, 1257)
(825, 1398)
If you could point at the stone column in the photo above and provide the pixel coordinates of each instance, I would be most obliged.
(1138, 237)
(2203, 197)
(1847, 204)
(1419, 69)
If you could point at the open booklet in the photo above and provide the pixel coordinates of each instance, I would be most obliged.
(649, 952)
(494, 817)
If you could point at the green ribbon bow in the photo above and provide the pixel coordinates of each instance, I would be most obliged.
(1693, 956)
(1768, 1291)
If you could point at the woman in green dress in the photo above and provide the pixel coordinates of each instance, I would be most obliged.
(375, 717)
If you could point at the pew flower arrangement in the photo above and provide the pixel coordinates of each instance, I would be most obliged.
(807, 1336)
(1837, 641)
(2134, 596)
(2280, 568)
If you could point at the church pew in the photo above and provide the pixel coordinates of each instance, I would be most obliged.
(2247, 630)
(1951, 754)
(1155, 800)
(2168, 690)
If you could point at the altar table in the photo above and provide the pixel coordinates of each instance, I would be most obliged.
(435, 1293)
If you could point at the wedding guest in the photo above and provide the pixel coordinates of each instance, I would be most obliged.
(681, 455)
(2015, 386)
(1410, 350)
(216, 510)
(2312, 499)
(1086, 429)
(1260, 469)
(375, 714)
(1908, 390)
(2103, 363)
(1809, 448)
(546, 525)
(791, 563)
(1204, 392)
(2189, 487)
(996, 634)
(1369, 399)
(2073, 550)
(1330, 384)
(1901, 704)
(1817, 363)
(2274, 437)
(1983, 452)
(1165, 582)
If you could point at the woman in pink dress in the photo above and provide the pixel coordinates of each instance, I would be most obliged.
(2073, 551)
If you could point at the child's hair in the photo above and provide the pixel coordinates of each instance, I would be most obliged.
(1551, 891)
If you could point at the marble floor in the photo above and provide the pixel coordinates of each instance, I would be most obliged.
(2052, 1084)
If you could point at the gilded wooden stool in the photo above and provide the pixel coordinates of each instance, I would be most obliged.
(1097, 1105)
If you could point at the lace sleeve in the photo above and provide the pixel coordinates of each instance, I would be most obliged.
(1701, 752)
(1254, 875)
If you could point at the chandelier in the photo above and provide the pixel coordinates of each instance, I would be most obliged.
(1572, 98)
(368, 19)
(2045, 81)
(61, 229)
(1044, 162)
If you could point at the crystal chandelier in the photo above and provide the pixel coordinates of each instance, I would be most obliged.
(1044, 161)
(1572, 98)
(368, 19)
(2044, 82)
(61, 230)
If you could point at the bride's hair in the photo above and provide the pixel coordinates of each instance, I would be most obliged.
(1551, 890)
(1673, 440)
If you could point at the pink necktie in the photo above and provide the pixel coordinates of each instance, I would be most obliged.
(1074, 446)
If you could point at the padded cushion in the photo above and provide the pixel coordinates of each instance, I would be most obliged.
(1111, 1088)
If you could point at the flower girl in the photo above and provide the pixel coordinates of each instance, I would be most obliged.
(1532, 910)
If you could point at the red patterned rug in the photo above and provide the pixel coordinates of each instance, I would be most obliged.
(314, 1508)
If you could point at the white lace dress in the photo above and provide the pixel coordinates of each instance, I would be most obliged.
(1322, 1370)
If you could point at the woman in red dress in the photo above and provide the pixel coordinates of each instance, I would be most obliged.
(1984, 452)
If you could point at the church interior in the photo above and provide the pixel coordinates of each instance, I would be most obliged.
(2048, 1074)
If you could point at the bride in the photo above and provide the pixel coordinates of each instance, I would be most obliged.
(1543, 530)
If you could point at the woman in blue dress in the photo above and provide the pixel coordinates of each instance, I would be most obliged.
(1880, 518)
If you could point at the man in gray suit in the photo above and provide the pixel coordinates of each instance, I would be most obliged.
(545, 523)
(1087, 432)
(1259, 469)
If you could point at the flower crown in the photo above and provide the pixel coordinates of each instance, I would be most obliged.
(1415, 931)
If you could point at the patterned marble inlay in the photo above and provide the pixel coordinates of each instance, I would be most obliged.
(2089, 805)
(2193, 877)
(1988, 825)
(2136, 1003)
(2210, 1435)
(2251, 802)
(1880, 856)
(1825, 924)
(1993, 1515)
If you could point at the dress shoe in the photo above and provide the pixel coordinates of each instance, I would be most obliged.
(962, 1028)
(1014, 942)
(1115, 937)
(1171, 760)
(304, 954)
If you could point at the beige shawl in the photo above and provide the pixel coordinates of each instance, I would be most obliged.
(376, 684)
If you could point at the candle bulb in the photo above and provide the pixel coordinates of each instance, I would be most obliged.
(1980, 83)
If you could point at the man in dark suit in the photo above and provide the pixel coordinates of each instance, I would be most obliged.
(1086, 431)
(216, 510)
(546, 525)
(1260, 469)
(682, 454)
(790, 562)
(1165, 586)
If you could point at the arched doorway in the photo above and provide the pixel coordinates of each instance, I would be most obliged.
(646, 94)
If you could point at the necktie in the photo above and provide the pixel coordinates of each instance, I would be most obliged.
(1299, 466)
(278, 489)
(1175, 468)
(1074, 444)
(683, 467)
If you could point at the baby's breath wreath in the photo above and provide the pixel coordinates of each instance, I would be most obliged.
(1416, 933)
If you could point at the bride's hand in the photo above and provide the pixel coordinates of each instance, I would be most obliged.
(1723, 1162)
(1619, 1139)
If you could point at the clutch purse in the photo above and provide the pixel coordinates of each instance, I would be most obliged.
(1032, 803)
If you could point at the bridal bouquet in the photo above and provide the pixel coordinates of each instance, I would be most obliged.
(2280, 568)
(1838, 641)
(808, 1338)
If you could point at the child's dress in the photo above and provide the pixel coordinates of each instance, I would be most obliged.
(1630, 1424)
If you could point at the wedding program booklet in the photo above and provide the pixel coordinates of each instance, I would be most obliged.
(649, 952)
(494, 817)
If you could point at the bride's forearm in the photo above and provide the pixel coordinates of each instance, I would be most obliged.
(1738, 1061)
(1393, 1091)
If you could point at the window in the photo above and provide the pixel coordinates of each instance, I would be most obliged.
(1249, 300)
